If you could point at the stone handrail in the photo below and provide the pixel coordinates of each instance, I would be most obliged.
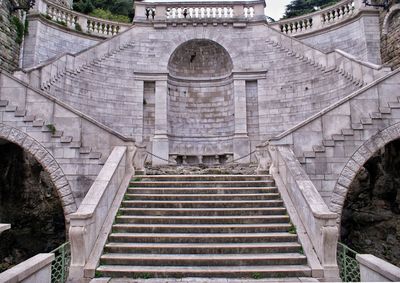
(318, 20)
(87, 221)
(374, 269)
(348, 65)
(35, 269)
(287, 136)
(88, 122)
(199, 10)
(318, 220)
(78, 21)
(42, 75)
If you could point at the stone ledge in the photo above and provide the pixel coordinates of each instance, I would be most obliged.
(4, 227)
(379, 268)
(26, 268)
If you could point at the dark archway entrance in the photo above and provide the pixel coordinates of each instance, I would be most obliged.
(30, 202)
(371, 213)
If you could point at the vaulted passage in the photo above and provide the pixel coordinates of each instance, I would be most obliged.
(201, 100)
(29, 202)
(371, 214)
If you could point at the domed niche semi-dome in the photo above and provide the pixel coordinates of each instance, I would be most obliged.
(201, 59)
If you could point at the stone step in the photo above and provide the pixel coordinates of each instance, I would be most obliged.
(202, 259)
(169, 197)
(246, 219)
(209, 271)
(202, 204)
(201, 177)
(201, 228)
(203, 248)
(3, 103)
(203, 211)
(202, 238)
(198, 190)
(176, 184)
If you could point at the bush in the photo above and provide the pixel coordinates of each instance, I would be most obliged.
(19, 28)
(107, 15)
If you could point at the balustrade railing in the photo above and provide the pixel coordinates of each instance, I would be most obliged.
(78, 21)
(60, 264)
(348, 265)
(197, 11)
(320, 19)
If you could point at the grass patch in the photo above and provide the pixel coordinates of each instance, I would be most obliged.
(256, 275)
(292, 229)
(142, 276)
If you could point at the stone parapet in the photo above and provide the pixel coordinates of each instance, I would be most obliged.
(78, 21)
(374, 269)
(198, 11)
(37, 269)
(318, 220)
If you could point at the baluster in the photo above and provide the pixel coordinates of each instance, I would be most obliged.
(118, 28)
(180, 14)
(245, 12)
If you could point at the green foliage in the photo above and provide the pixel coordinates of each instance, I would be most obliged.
(19, 28)
(256, 275)
(111, 9)
(107, 15)
(292, 229)
(142, 276)
(26, 27)
(301, 7)
(51, 128)
(78, 27)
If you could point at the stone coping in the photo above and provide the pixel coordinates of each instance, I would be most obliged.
(380, 266)
(26, 268)
(4, 227)
(202, 280)
(334, 105)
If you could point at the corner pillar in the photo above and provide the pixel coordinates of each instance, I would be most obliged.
(241, 143)
(160, 139)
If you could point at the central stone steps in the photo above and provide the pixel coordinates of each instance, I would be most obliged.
(203, 226)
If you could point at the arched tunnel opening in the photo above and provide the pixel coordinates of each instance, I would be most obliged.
(29, 202)
(371, 214)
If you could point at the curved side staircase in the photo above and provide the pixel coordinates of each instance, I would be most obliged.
(203, 226)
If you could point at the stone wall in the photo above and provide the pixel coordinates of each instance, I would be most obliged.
(360, 37)
(47, 40)
(390, 37)
(9, 47)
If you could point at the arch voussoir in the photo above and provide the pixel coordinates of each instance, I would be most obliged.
(357, 161)
(48, 162)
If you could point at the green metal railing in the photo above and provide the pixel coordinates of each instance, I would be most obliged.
(60, 264)
(348, 265)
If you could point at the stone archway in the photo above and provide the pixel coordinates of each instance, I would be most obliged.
(357, 161)
(395, 9)
(46, 159)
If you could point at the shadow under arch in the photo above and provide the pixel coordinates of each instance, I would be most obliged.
(46, 159)
(357, 161)
(215, 62)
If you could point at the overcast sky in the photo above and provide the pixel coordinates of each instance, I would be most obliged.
(276, 8)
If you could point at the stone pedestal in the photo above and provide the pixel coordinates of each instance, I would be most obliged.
(241, 147)
(160, 149)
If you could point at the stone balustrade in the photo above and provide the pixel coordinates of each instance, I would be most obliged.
(324, 18)
(199, 11)
(319, 222)
(87, 222)
(78, 21)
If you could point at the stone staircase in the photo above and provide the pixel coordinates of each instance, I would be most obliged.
(46, 131)
(203, 226)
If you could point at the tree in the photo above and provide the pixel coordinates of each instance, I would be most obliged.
(116, 7)
(300, 7)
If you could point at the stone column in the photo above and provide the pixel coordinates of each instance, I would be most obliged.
(160, 140)
(241, 143)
